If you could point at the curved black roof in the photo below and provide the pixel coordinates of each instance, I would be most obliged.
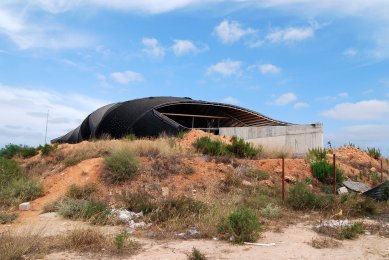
(155, 115)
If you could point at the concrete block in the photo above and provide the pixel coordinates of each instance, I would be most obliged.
(342, 190)
(25, 206)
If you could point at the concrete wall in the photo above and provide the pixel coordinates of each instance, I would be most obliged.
(295, 138)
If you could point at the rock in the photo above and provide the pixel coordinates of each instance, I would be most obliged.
(165, 191)
(373, 169)
(342, 190)
(267, 183)
(246, 183)
(310, 186)
(25, 206)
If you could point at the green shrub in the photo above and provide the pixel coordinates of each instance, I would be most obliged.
(120, 239)
(181, 207)
(271, 211)
(129, 137)
(12, 150)
(7, 217)
(351, 231)
(302, 198)
(121, 165)
(242, 224)
(258, 174)
(196, 255)
(81, 192)
(206, 146)
(94, 211)
(181, 134)
(47, 149)
(374, 152)
(242, 149)
(15, 187)
(323, 171)
(138, 202)
(316, 154)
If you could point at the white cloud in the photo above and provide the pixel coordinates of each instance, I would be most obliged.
(230, 32)
(29, 107)
(225, 68)
(27, 34)
(153, 48)
(269, 69)
(291, 34)
(350, 52)
(300, 105)
(342, 95)
(230, 100)
(285, 99)
(103, 82)
(126, 76)
(363, 110)
(182, 47)
(255, 43)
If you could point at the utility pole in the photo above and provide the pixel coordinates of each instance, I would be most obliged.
(47, 122)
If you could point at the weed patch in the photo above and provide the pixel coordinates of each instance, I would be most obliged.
(196, 255)
(325, 242)
(323, 171)
(302, 198)
(242, 224)
(7, 217)
(374, 152)
(81, 192)
(138, 202)
(121, 166)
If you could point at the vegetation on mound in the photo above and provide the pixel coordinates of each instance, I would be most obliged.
(238, 147)
(300, 197)
(7, 217)
(196, 255)
(324, 171)
(341, 232)
(242, 225)
(15, 186)
(91, 240)
(24, 151)
(122, 165)
(374, 152)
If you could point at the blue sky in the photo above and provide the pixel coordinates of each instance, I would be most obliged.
(298, 61)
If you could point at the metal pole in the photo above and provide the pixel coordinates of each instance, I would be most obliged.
(283, 179)
(334, 174)
(47, 122)
(382, 173)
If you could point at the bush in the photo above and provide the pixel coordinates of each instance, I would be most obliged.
(323, 171)
(94, 211)
(15, 187)
(302, 198)
(81, 192)
(271, 211)
(85, 239)
(47, 149)
(7, 217)
(129, 137)
(316, 154)
(351, 232)
(258, 174)
(206, 146)
(242, 224)
(121, 165)
(374, 152)
(196, 255)
(242, 149)
(138, 202)
(12, 150)
(181, 207)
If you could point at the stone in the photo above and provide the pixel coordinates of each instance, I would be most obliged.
(342, 190)
(290, 179)
(25, 206)
(310, 186)
(373, 169)
(246, 183)
(165, 191)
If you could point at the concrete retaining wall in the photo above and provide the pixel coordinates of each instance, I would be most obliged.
(295, 138)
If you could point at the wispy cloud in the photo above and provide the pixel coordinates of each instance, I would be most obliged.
(182, 47)
(231, 31)
(363, 110)
(341, 95)
(300, 105)
(126, 76)
(225, 68)
(291, 34)
(230, 100)
(30, 107)
(350, 52)
(269, 69)
(153, 48)
(284, 99)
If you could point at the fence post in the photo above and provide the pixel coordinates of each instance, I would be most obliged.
(333, 156)
(382, 173)
(283, 179)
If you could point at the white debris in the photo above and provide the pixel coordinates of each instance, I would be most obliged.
(129, 217)
(257, 244)
(342, 190)
(335, 223)
(25, 206)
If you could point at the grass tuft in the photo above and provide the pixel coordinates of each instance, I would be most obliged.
(196, 255)
(122, 165)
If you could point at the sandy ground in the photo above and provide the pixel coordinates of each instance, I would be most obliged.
(292, 243)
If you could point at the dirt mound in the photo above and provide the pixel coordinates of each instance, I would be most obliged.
(190, 137)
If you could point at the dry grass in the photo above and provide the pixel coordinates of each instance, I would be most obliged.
(270, 152)
(324, 242)
(82, 240)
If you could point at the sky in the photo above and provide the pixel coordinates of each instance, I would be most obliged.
(298, 61)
